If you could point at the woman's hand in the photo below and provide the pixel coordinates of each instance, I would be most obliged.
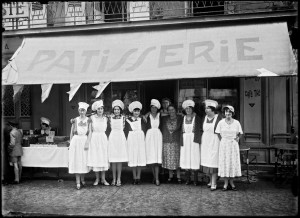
(237, 139)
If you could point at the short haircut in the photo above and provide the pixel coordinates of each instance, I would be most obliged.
(212, 108)
(166, 99)
(172, 105)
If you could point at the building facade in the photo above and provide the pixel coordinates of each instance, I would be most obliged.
(265, 106)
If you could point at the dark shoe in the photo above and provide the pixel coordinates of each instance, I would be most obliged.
(15, 182)
(138, 181)
(233, 188)
(225, 189)
(134, 182)
(208, 185)
(157, 183)
(195, 183)
(83, 184)
(179, 181)
(188, 182)
(153, 181)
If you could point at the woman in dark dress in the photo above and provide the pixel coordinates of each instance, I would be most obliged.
(171, 131)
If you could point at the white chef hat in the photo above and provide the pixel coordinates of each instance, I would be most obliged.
(210, 103)
(45, 120)
(229, 107)
(134, 105)
(118, 103)
(188, 103)
(155, 103)
(83, 105)
(97, 104)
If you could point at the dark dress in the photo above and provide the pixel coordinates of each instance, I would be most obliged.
(171, 131)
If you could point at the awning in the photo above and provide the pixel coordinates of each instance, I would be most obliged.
(229, 51)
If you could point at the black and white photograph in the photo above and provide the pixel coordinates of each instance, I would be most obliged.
(149, 108)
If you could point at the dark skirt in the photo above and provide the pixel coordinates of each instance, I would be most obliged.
(208, 170)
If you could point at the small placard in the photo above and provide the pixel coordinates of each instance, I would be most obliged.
(49, 138)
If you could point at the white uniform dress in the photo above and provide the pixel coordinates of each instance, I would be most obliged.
(210, 144)
(154, 142)
(77, 154)
(98, 148)
(117, 144)
(190, 151)
(136, 144)
(229, 152)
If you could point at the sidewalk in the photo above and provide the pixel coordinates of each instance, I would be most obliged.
(49, 196)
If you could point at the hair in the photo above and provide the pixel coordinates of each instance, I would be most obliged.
(121, 111)
(166, 99)
(213, 109)
(171, 105)
(226, 108)
(136, 109)
(47, 125)
(193, 110)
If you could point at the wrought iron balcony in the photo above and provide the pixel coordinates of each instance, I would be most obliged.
(25, 15)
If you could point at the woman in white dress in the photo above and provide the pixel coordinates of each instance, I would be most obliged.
(117, 148)
(229, 131)
(135, 132)
(98, 149)
(210, 144)
(154, 141)
(191, 140)
(79, 145)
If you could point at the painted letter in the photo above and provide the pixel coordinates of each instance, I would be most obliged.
(164, 53)
(88, 57)
(140, 59)
(224, 51)
(122, 60)
(67, 54)
(205, 53)
(241, 49)
(37, 59)
(103, 61)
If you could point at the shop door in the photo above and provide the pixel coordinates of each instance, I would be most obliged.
(159, 90)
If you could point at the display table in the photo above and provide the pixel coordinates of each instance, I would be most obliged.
(47, 157)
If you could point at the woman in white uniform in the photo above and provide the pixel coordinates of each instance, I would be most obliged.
(135, 132)
(79, 145)
(117, 148)
(154, 140)
(191, 139)
(210, 144)
(98, 148)
(229, 131)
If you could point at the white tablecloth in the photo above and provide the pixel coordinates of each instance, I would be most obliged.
(45, 157)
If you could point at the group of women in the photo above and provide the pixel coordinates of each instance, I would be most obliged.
(158, 139)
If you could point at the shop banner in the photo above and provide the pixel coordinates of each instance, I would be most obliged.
(228, 51)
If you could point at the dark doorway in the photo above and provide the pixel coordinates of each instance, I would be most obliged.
(159, 90)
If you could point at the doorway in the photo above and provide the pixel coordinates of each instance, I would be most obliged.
(159, 90)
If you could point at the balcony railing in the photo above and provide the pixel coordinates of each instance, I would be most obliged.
(25, 15)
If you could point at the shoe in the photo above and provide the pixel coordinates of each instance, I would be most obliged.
(138, 181)
(225, 189)
(134, 182)
(170, 180)
(157, 182)
(213, 187)
(195, 183)
(153, 181)
(179, 181)
(83, 183)
(118, 183)
(105, 183)
(188, 182)
(96, 183)
(15, 182)
(208, 185)
(113, 183)
(78, 186)
(233, 188)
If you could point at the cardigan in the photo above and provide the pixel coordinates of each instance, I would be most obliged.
(219, 118)
(148, 124)
(167, 136)
(197, 130)
(128, 127)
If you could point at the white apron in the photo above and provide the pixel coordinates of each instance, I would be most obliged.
(136, 147)
(190, 151)
(210, 145)
(98, 147)
(117, 145)
(154, 142)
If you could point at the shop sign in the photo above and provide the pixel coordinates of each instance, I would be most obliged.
(15, 10)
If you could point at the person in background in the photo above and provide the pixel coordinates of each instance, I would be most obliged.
(15, 150)
(117, 148)
(165, 102)
(191, 140)
(97, 158)
(135, 133)
(154, 141)
(79, 145)
(229, 132)
(171, 131)
(210, 143)
(45, 127)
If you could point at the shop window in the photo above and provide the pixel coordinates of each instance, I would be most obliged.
(115, 11)
(194, 89)
(126, 92)
(7, 102)
(25, 102)
(225, 91)
(200, 8)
